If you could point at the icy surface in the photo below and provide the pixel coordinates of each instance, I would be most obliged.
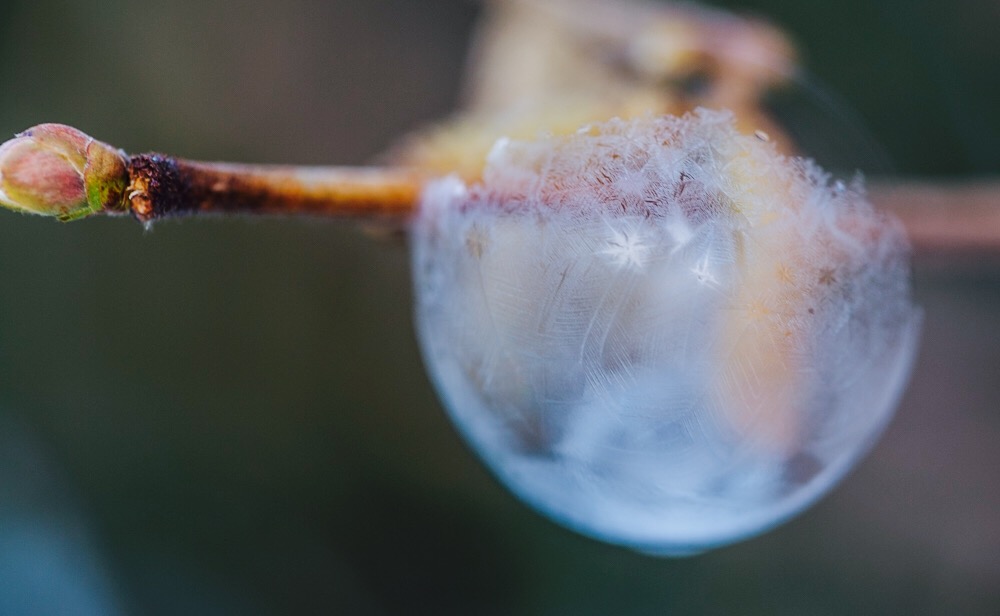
(661, 332)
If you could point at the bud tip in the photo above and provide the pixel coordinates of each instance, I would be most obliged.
(56, 170)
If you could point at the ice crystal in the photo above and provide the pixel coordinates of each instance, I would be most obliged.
(661, 332)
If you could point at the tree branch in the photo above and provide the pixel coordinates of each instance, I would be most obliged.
(59, 171)
(961, 218)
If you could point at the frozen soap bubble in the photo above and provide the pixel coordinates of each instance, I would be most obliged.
(661, 332)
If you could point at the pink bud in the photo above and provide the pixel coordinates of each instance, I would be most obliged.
(56, 170)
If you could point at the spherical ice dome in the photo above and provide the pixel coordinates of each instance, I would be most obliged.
(662, 333)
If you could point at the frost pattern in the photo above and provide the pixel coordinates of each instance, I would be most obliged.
(661, 332)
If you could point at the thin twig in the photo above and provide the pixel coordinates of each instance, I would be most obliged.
(945, 219)
(163, 186)
(59, 171)
(940, 219)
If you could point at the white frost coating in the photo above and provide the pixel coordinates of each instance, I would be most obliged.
(661, 332)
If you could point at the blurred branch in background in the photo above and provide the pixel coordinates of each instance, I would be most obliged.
(551, 66)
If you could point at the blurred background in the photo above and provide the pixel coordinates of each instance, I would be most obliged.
(231, 416)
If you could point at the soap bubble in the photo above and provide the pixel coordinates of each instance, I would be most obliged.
(661, 332)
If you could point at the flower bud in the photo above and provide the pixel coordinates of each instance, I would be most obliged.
(56, 170)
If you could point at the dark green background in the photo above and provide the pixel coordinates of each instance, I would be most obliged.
(231, 416)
